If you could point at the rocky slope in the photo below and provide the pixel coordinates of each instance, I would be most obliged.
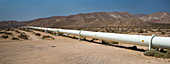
(159, 17)
(140, 15)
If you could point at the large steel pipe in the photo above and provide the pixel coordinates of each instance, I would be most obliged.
(151, 41)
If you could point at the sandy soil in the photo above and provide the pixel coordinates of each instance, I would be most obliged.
(64, 50)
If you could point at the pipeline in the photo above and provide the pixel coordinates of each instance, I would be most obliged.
(151, 41)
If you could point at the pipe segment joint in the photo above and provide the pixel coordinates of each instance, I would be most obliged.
(79, 35)
(150, 42)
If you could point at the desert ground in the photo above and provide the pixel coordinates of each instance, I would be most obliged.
(64, 50)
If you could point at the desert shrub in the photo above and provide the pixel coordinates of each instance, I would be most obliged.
(53, 46)
(60, 34)
(12, 29)
(17, 31)
(54, 33)
(104, 42)
(95, 39)
(7, 29)
(163, 33)
(167, 54)
(8, 33)
(2, 32)
(4, 36)
(47, 36)
(114, 42)
(50, 32)
(155, 53)
(159, 55)
(140, 31)
(14, 38)
(150, 52)
(28, 30)
(23, 32)
(38, 34)
(23, 36)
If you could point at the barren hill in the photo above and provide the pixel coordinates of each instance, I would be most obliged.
(13, 24)
(95, 19)
(90, 20)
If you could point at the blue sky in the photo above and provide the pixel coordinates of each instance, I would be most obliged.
(22, 10)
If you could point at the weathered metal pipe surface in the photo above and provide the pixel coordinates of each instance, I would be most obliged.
(157, 42)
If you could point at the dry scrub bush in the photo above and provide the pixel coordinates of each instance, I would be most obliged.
(157, 54)
(109, 42)
(2, 32)
(167, 55)
(14, 38)
(150, 53)
(4, 36)
(23, 36)
(47, 36)
(8, 33)
(113, 42)
(17, 31)
(38, 34)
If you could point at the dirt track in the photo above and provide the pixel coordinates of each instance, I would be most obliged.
(64, 50)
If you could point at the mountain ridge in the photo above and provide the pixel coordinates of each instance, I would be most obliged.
(94, 19)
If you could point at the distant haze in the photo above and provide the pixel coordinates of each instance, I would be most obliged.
(23, 10)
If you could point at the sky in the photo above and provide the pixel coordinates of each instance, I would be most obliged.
(24, 10)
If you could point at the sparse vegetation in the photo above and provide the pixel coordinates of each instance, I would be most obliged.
(140, 31)
(23, 32)
(17, 31)
(163, 33)
(28, 30)
(14, 38)
(114, 42)
(104, 42)
(8, 33)
(2, 32)
(4, 36)
(157, 54)
(60, 34)
(38, 34)
(8, 29)
(167, 55)
(47, 36)
(109, 42)
(150, 52)
(23, 36)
